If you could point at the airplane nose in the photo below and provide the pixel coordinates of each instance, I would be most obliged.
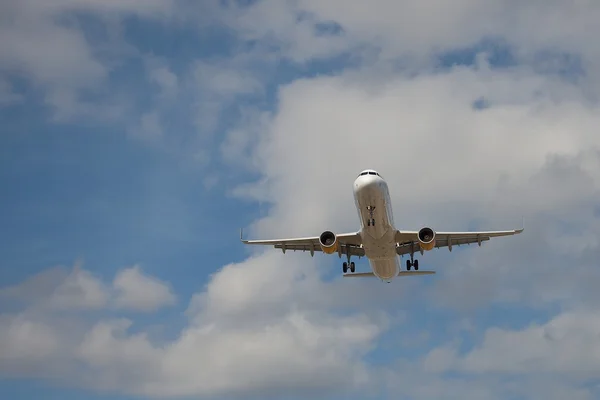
(366, 182)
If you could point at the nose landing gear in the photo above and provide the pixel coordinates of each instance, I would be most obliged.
(371, 220)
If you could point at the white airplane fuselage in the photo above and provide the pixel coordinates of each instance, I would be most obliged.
(377, 230)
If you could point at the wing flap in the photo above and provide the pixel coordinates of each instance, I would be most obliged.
(345, 249)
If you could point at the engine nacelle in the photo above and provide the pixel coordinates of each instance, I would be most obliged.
(426, 238)
(328, 242)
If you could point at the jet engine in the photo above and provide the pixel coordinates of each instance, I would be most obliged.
(328, 242)
(426, 238)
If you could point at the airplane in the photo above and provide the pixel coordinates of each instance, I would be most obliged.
(378, 240)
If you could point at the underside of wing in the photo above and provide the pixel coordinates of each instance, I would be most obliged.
(328, 242)
(427, 239)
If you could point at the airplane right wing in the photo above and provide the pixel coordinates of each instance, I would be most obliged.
(408, 241)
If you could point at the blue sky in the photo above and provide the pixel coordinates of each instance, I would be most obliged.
(138, 138)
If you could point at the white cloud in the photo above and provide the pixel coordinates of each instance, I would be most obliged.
(49, 53)
(448, 151)
(408, 380)
(298, 352)
(135, 290)
(534, 152)
(8, 95)
(56, 289)
(166, 80)
(39, 43)
(567, 346)
(408, 28)
(239, 142)
(219, 83)
(25, 340)
(149, 127)
(79, 290)
(282, 25)
(555, 356)
(36, 288)
(255, 329)
(271, 323)
(448, 165)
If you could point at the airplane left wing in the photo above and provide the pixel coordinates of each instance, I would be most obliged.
(348, 243)
(408, 241)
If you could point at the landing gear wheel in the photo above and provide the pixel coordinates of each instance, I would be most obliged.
(345, 266)
(352, 267)
(410, 264)
(373, 222)
(369, 222)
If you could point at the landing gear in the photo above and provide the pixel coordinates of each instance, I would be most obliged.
(412, 263)
(371, 221)
(350, 264)
(345, 266)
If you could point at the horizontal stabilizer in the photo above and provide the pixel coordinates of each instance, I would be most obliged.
(360, 275)
(401, 273)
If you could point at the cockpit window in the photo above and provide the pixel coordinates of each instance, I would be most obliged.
(370, 173)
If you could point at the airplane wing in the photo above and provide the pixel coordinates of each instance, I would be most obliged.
(408, 241)
(348, 243)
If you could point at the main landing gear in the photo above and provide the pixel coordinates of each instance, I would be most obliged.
(345, 265)
(412, 263)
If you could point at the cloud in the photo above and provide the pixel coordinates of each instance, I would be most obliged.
(533, 152)
(7, 94)
(25, 340)
(567, 346)
(165, 79)
(137, 291)
(149, 127)
(32, 49)
(288, 27)
(79, 289)
(244, 336)
(415, 383)
(279, 323)
(220, 83)
(427, 118)
(562, 352)
(45, 47)
(449, 166)
(405, 30)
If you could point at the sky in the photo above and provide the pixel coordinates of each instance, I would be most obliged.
(139, 136)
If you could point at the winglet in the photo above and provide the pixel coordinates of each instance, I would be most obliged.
(241, 234)
(522, 226)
